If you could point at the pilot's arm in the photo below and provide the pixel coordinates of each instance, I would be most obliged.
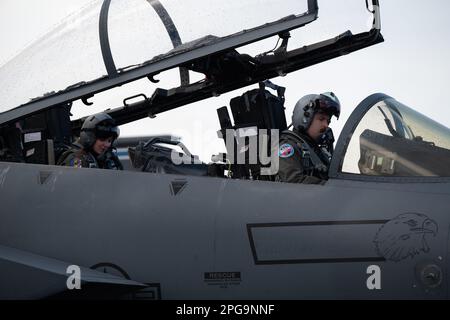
(291, 168)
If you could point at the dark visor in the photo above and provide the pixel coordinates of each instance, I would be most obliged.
(104, 132)
(329, 103)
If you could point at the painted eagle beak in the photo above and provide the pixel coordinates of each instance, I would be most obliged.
(429, 226)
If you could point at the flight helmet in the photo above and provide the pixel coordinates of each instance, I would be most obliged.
(309, 105)
(98, 126)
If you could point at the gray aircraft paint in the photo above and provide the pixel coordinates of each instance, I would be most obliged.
(133, 220)
(191, 237)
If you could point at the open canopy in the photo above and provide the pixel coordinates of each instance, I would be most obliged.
(107, 38)
(109, 43)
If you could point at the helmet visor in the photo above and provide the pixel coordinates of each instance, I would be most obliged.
(328, 103)
(105, 131)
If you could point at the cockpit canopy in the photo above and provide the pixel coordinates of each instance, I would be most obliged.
(388, 139)
(105, 38)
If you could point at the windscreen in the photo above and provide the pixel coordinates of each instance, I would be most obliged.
(394, 140)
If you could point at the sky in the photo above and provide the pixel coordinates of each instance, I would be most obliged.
(412, 65)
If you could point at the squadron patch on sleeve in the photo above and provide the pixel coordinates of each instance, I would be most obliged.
(286, 151)
(76, 163)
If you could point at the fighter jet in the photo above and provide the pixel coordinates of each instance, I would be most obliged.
(377, 229)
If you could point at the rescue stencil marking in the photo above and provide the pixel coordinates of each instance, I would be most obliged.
(222, 279)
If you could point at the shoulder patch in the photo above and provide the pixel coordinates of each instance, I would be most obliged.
(286, 151)
(75, 163)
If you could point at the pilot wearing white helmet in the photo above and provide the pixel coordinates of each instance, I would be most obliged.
(305, 152)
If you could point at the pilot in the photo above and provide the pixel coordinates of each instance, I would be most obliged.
(305, 152)
(93, 148)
